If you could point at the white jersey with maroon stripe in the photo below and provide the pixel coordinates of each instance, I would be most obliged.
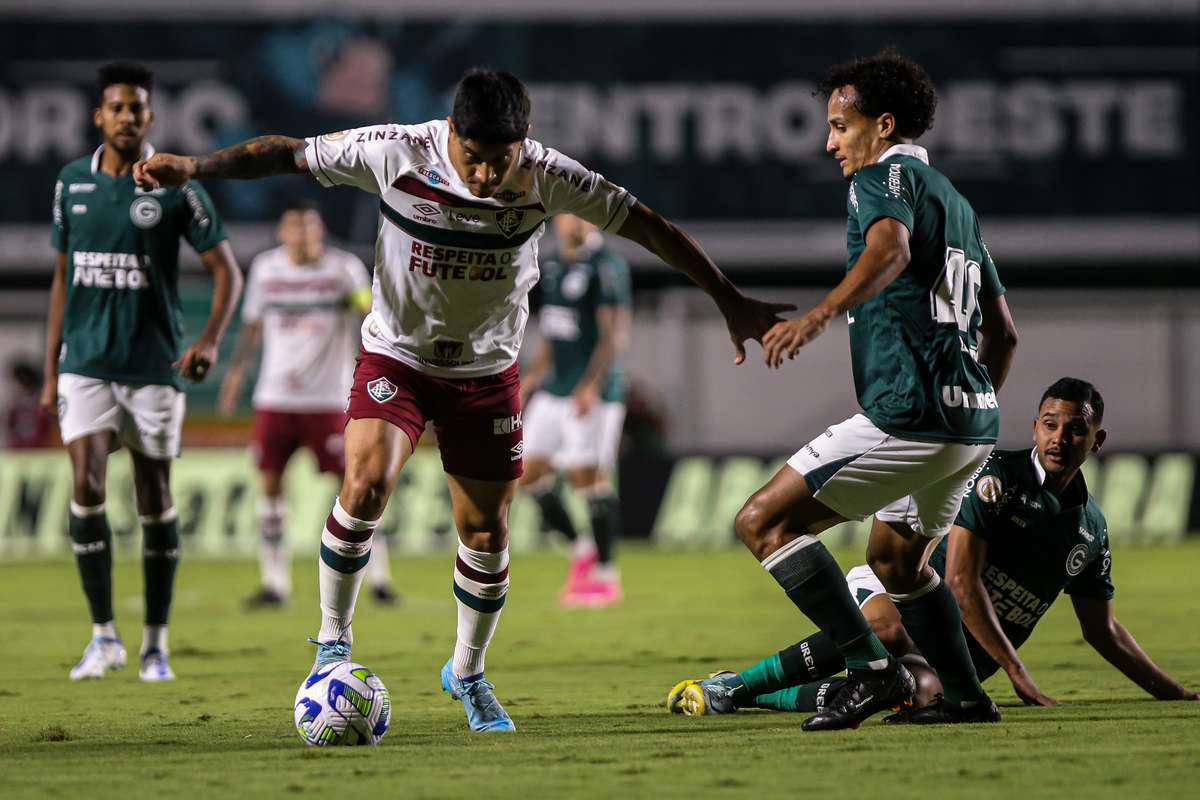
(453, 271)
(309, 325)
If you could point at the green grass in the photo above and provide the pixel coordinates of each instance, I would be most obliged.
(585, 689)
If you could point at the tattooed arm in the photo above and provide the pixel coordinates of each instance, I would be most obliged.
(260, 157)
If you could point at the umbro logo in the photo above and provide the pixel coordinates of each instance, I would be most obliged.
(427, 209)
(517, 450)
(381, 390)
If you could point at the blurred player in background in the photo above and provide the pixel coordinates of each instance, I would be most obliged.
(113, 344)
(462, 204)
(27, 424)
(931, 341)
(303, 304)
(1028, 529)
(574, 422)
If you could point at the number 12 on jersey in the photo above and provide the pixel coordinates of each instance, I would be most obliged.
(955, 297)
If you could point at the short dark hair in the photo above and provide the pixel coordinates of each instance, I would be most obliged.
(129, 72)
(1079, 391)
(491, 107)
(299, 203)
(887, 82)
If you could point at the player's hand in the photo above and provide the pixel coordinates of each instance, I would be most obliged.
(197, 360)
(584, 399)
(231, 392)
(787, 337)
(748, 318)
(1028, 691)
(164, 169)
(48, 401)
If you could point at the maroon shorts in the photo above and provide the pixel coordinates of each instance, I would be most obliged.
(477, 420)
(278, 434)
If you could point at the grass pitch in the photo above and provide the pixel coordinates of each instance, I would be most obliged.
(584, 687)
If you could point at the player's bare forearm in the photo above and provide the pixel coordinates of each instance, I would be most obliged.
(247, 345)
(885, 257)
(997, 339)
(260, 157)
(1111, 640)
(678, 250)
(613, 324)
(227, 288)
(966, 555)
(54, 315)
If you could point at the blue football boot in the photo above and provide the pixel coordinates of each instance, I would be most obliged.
(484, 712)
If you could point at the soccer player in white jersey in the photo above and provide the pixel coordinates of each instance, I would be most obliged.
(303, 303)
(462, 204)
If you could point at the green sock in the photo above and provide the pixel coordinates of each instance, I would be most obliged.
(160, 557)
(805, 697)
(933, 620)
(764, 677)
(554, 513)
(813, 659)
(810, 576)
(91, 540)
(605, 513)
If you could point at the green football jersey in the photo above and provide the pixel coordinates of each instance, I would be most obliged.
(1039, 544)
(914, 346)
(122, 320)
(571, 294)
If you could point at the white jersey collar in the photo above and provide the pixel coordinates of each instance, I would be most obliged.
(914, 150)
(147, 151)
(1037, 467)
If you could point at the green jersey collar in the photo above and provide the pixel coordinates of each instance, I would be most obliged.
(914, 150)
(147, 151)
(1078, 484)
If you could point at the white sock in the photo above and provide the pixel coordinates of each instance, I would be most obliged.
(154, 637)
(584, 547)
(379, 568)
(480, 584)
(273, 561)
(345, 551)
(107, 630)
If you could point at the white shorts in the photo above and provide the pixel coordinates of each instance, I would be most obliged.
(864, 585)
(858, 470)
(147, 418)
(555, 433)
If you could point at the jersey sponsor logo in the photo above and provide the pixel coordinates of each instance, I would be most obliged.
(502, 426)
(433, 176)
(381, 390)
(508, 195)
(109, 270)
(79, 208)
(159, 192)
(577, 179)
(853, 197)
(145, 212)
(509, 221)
(58, 194)
(1011, 601)
(427, 209)
(955, 397)
(199, 212)
(517, 450)
(1077, 559)
(333, 137)
(1086, 535)
(989, 489)
(893, 180)
(451, 263)
(81, 188)
(559, 322)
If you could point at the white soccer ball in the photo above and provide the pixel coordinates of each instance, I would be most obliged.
(344, 703)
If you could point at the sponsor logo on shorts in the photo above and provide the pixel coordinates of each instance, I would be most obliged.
(509, 220)
(145, 212)
(1077, 559)
(517, 451)
(433, 176)
(505, 425)
(381, 390)
(989, 489)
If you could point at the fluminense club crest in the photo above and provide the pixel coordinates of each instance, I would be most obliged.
(509, 220)
(381, 390)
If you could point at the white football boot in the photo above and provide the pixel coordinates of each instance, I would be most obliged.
(102, 655)
(155, 667)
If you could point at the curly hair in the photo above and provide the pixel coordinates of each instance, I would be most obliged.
(129, 72)
(887, 82)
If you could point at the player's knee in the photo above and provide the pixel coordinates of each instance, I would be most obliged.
(886, 569)
(751, 526)
(893, 636)
(89, 487)
(486, 533)
(363, 494)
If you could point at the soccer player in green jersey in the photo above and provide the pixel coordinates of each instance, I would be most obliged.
(1028, 530)
(113, 351)
(574, 422)
(931, 340)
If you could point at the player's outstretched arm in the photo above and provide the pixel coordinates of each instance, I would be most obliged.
(884, 258)
(54, 324)
(198, 359)
(1108, 636)
(997, 339)
(260, 157)
(966, 556)
(745, 317)
(248, 341)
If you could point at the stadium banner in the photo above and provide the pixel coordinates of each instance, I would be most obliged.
(687, 502)
(1045, 127)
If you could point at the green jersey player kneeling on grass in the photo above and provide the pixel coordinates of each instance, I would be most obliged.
(114, 337)
(1027, 530)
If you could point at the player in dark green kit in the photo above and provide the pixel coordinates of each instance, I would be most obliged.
(574, 422)
(930, 341)
(1028, 530)
(113, 354)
